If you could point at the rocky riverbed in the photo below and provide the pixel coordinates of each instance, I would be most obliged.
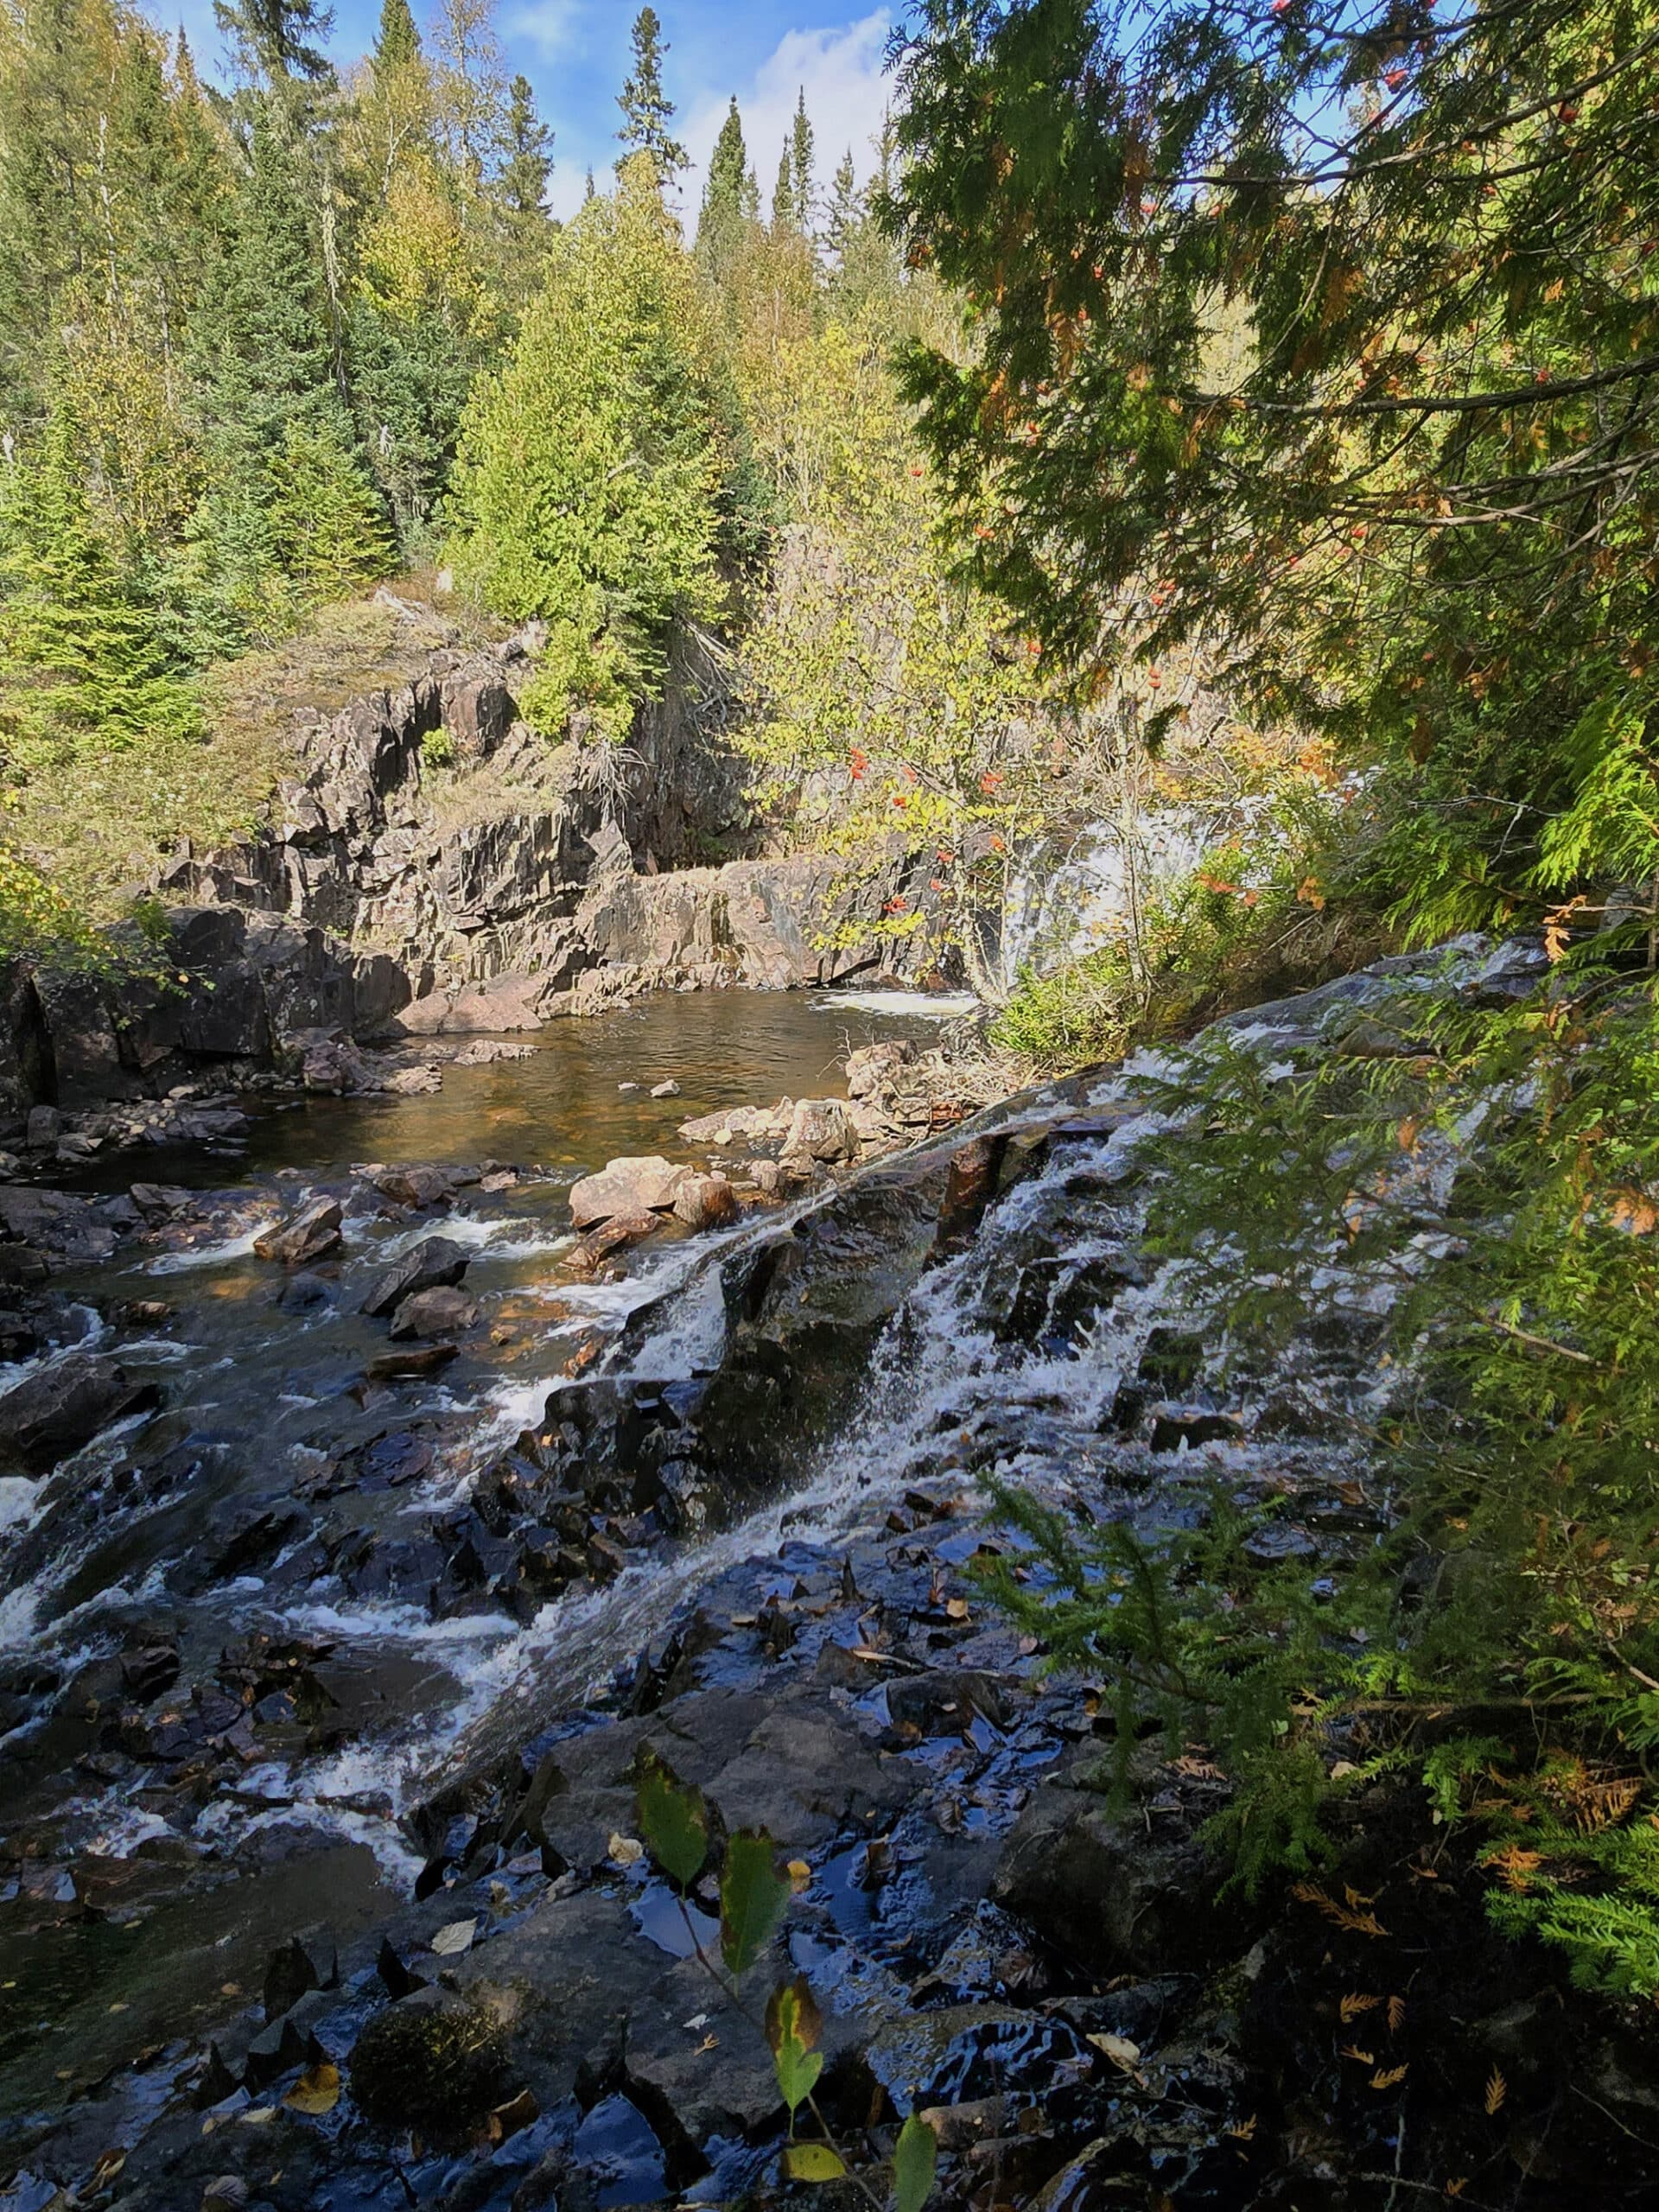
(344, 1904)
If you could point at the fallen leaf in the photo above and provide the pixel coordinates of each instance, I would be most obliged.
(258, 2116)
(1389, 2077)
(709, 2043)
(1396, 2014)
(1360, 2057)
(626, 1850)
(1353, 2004)
(800, 1875)
(1118, 2049)
(1245, 2129)
(1496, 2090)
(316, 2091)
(812, 2162)
(449, 1943)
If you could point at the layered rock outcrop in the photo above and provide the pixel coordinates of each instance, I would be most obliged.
(432, 865)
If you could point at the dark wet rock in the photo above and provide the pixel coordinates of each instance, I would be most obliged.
(62, 1406)
(1175, 1425)
(435, 1264)
(646, 1184)
(149, 1668)
(432, 2061)
(442, 1312)
(71, 1229)
(406, 1366)
(306, 1293)
(416, 1188)
(305, 1962)
(945, 1699)
(308, 1236)
(1120, 1891)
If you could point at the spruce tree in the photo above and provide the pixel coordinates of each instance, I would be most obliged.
(328, 525)
(846, 208)
(725, 193)
(275, 40)
(270, 356)
(81, 657)
(783, 196)
(529, 156)
(398, 42)
(800, 168)
(646, 109)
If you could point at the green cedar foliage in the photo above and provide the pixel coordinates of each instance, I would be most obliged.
(587, 487)
(646, 109)
(274, 41)
(1374, 397)
(328, 525)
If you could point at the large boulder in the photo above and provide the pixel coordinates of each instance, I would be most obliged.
(645, 1185)
(436, 1262)
(54, 1411)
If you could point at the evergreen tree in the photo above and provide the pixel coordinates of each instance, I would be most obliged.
(81, 657)
(587, 489)
(725, 196)
(646, 109)
(398, 43)
(267, 346)
(328, 527)
(782, 195)
(529, 157)
(846, 208)
(589, 189)
(802, 194)
(275, 40)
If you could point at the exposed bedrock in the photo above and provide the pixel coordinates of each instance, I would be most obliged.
(385, 897)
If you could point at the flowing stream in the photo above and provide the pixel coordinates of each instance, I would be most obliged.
(137, 1886)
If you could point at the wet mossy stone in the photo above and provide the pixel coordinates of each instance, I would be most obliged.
(433, 2061)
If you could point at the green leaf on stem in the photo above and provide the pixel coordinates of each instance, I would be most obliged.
(753, 1895)
(914, 2162)
(793, 2026)
(673, 1818)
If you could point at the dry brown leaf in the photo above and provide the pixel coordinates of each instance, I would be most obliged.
(1357, 1923)
(1118, 2049)
(1360, 2057)
(1496, 2090)
(1396, 2014)
(1354, 2004)
(1456, 2188)
(1390, 2077)
(1244, 2130)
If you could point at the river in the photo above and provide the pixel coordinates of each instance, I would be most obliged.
(240, 1526)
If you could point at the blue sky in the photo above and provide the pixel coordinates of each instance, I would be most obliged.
(576, 53)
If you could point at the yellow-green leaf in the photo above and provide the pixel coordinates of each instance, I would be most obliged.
(317, 2090)
(813, 2162)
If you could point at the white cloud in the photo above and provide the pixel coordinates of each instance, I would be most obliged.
(846, 96)
(544, 24)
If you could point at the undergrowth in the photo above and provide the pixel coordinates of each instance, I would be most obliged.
(1489, 1177)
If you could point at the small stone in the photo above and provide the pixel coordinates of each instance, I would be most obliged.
(440, 1312)
(705, 1202)
(615, 1235)
(403, 1366)
(668, 1090)
(436, 1262)
(45, 1124)
(306, 1237)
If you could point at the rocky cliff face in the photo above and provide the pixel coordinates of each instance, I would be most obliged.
(432, 865)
